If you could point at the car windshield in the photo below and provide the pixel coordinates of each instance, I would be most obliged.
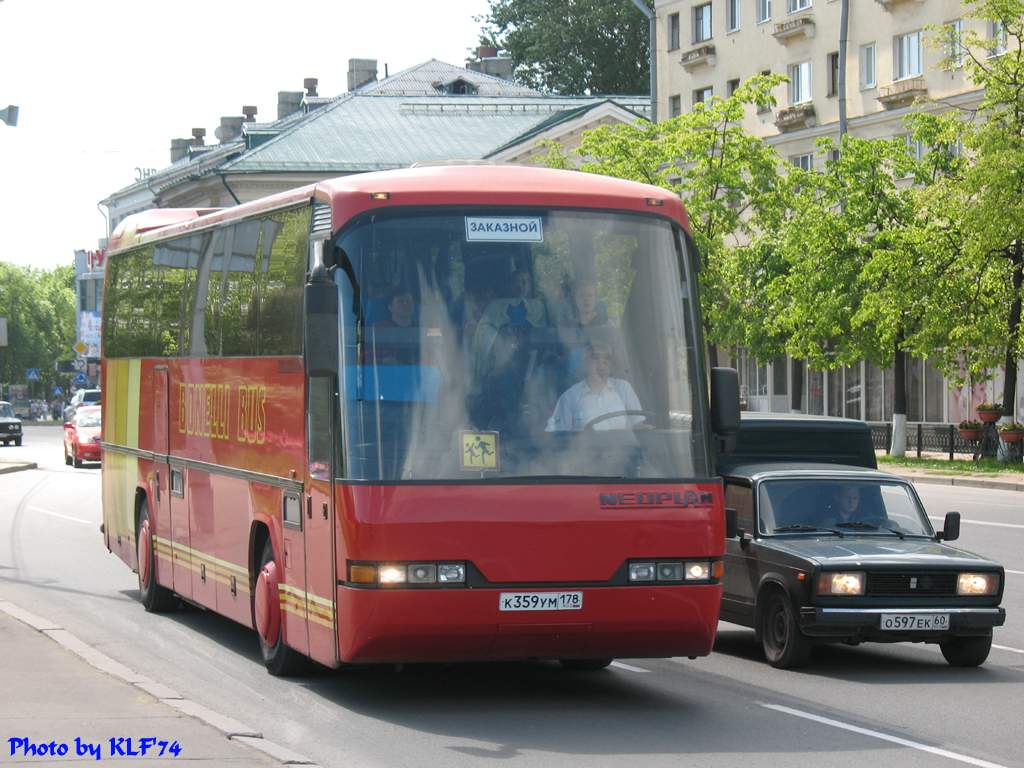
(87, 419)
(6, 411)
(841, 505)
(494, 343)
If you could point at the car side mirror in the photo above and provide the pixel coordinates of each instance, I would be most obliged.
(731, 531)
(950, 527)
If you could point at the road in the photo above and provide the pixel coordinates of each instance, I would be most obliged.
(898, 704)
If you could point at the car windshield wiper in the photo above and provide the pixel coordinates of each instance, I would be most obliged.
(897, 531)
(804, 527)
(859, 525)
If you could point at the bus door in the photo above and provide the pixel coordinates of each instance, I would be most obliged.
(318, 528)
(160, 501)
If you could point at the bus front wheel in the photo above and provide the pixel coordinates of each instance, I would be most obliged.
(155, 599)
(280, 660)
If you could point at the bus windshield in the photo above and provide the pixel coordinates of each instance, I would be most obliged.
(495, 343)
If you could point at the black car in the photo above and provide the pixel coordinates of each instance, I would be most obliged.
(10, 425)
(834, 553)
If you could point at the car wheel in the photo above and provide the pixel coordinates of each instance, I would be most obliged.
(67, 456)
(584, 665)
(966, 651)
(785, 646)
(74, 457)
(17, 441)
(280, 660)
(155, 598)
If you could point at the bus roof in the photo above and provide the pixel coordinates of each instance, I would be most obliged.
(428, 186)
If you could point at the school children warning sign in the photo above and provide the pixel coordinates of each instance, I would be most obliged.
(479, 451)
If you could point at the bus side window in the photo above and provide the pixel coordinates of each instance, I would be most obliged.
(320, 427)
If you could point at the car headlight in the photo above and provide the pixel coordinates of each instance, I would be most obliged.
(977, 584)
(841, 583)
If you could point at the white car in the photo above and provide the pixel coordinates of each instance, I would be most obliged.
(10, 425)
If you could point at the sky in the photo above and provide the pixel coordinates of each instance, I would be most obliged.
(103, 86)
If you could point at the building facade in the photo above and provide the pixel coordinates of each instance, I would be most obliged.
(894, 51)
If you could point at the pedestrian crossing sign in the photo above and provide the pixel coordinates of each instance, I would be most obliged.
(479, 451)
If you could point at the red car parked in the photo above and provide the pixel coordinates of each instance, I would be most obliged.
(82, 436)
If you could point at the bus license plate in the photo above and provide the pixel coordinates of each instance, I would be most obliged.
(540, 601)
(915, 621)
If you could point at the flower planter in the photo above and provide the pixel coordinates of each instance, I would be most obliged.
(970, 435)
(989, 417)
(1011, 436)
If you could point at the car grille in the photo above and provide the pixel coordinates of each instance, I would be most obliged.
(912, 583)
(8, 427)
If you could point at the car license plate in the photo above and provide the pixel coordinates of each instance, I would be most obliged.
(915, 621)
(540, 601)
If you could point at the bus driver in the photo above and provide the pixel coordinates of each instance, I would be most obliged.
(596, 395)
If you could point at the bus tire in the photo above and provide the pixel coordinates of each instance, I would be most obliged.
(584, 665)
(155, 598)
(280, 660)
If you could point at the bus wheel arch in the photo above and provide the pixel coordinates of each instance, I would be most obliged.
(279, 659)
(154, 597)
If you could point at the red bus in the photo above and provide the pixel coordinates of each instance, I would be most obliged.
(437, 414)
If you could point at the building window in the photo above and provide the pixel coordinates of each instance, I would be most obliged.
(702, 23)
(955, 42)
(700, 95)
(764, 11)
(764, 108)
(833, 74)
(804, 162)
(732, 12)
(798, 5)
(675, 106)
(867, 66)
(731, 86)
(997, 34)
(800, 82)
(914, 147)
(673, 31)
(907, 55)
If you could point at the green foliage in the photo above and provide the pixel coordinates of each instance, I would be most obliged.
(40, 309)
(573, 47)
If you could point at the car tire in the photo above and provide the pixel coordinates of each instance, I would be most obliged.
(784, 645)
(279, 659)
(74, 458)
(17, 441)
(67, 456)
(966, 651)
(155, 598)
(584, 665)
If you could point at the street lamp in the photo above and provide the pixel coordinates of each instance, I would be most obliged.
(651, 17)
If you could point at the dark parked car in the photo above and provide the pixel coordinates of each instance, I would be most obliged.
(10, 425)
(833, 553)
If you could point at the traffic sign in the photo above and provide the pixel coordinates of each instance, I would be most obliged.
(57, 391)
(79, 379)
(32, 374)
(78, 363)
(80, 348)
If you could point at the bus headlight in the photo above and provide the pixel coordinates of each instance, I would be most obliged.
(391, 574)
(841, 583)
(977, 584)
(451, 573)
(642, 571)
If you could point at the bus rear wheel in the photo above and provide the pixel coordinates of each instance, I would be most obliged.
(280, 660)
(155, 598)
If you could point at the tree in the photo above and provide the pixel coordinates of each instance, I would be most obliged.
(572, 47)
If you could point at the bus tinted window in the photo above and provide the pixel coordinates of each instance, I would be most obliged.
(280, 282)
(239, 315)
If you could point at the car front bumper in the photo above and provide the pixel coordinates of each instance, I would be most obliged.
(865, 623)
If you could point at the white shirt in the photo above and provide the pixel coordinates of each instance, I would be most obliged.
(579, 405)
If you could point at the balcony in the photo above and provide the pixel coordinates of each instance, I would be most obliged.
(796, 117)
(902, 92)
(701, 56)
(888, 4)
(794, 28)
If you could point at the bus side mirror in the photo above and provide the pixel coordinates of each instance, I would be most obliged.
(950, 527)
(321, 329)
(731, 525)
(725, 406)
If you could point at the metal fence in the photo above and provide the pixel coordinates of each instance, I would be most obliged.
(930, 438)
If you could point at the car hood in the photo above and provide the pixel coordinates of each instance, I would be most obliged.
(85, 433)
(9, 420)
(877, 550)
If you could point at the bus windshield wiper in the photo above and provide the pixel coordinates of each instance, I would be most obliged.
(805, 528)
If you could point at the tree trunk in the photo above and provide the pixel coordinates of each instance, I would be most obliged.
(1012, 339)
(899, 402)
(712, 355)
(797, 389)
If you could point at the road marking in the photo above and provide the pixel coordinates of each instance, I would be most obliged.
(982, 522)
(883, 736)
(1019, 573)
(1007, 648)
(58, 514)
(628, 667)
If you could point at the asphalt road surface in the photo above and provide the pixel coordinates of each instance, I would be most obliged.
(871, 704)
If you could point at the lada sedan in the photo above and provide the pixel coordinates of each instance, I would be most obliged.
(10, 425)
(82, 436)
(833, 553)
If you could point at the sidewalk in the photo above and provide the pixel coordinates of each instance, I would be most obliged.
(59, 693)
(1000, 482)
(15, 466)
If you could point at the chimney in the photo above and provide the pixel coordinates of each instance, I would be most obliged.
(288, 102)
(489, 62)
(197, 137)
(250, 113)
(361, 72)
(310, 85)
(230, 128)
(179, 149)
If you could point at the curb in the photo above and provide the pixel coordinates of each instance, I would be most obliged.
(232, 729)
(6, 469)
(960, 480)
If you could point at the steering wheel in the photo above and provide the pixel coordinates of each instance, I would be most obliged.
(615, 414)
